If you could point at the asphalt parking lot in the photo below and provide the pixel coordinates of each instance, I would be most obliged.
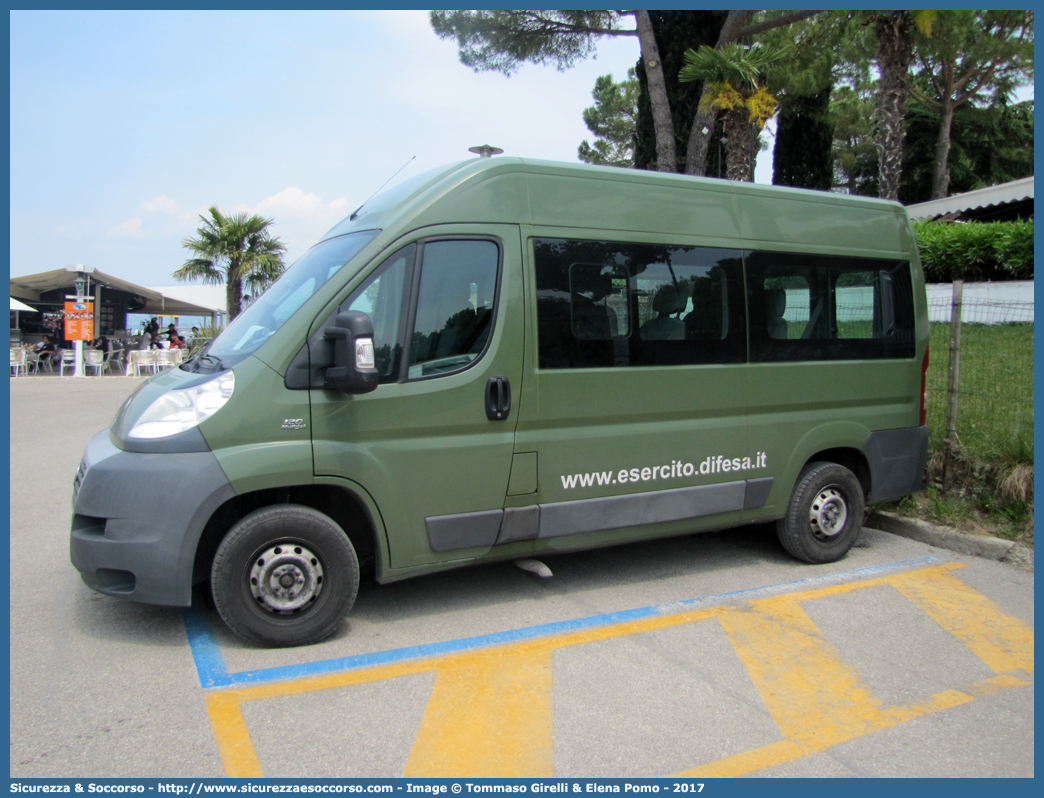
(702, 656)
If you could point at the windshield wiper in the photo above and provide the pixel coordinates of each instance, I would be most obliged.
(195, 363)
(213, 362)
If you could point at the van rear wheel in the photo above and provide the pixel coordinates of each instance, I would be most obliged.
(284, 575)
(825, 514)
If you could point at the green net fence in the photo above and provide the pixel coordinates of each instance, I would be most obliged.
(995, 393)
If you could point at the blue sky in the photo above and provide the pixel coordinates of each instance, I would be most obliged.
(126, 125)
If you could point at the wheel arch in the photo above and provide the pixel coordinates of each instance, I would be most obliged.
(852, 459)
(346, 508)
(838, 442)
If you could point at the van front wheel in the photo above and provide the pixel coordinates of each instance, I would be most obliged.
(284, 575)
(825, 514)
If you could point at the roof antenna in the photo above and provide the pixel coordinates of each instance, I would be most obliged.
(485, 150)
(374, 194)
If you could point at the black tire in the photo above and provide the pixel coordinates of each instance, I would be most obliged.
(825, 514)
(284, 575)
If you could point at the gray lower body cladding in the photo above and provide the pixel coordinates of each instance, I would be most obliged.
(137, 519)
(490, 527)
(896, 458)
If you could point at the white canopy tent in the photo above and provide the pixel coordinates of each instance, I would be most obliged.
(19, 307)
(29, 288)
(47, 290)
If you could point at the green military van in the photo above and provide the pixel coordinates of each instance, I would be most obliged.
(507, 358)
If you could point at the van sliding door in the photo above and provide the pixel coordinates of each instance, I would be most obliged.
(635, 401)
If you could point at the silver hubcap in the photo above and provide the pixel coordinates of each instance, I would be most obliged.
(286, 578)
(828, 513)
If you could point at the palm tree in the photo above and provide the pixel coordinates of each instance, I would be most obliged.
(233, 249)
(895, 50)
(730, 76)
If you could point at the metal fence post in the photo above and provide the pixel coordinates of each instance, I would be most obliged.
(953, 382)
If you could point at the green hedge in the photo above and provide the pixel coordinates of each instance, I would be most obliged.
(975, 251)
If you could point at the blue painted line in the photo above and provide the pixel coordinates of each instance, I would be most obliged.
(210, 663)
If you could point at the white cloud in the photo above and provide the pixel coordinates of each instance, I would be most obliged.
(162, 204)
(300, 218)
(168, 207)
(293, 203)
(128, 229)
(409, 25)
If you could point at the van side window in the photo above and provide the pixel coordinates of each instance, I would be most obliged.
(454, 307)
(598, 301)
(854, 306)
(602, 303)
(815, 307)
(786, 306)
(383, 296)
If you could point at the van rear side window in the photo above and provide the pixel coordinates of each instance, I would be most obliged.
(606, 303)
(815, 307)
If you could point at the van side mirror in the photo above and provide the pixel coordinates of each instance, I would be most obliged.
(353, 369)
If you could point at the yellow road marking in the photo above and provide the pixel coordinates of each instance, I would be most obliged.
(1002, 642)
(233, 739)
(489, 716)
(490, 711)
(815, 698)
(784, 751)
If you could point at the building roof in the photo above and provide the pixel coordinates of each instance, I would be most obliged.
(29, 287)
(996, 203)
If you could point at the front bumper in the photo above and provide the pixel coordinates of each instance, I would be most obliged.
(137, 518)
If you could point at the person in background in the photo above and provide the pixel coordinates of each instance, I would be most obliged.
(101, 343)
(177, 342)
(46, 348)
(146, 339)
(172, 333)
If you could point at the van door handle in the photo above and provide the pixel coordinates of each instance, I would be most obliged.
(887, 288)
(498, 398)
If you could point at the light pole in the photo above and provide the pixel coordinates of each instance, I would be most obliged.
(81, 287)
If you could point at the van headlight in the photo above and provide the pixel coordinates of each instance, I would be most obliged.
(184, 408)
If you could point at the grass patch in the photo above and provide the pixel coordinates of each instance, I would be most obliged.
(995, 401)
(990, 490)
(976, 512)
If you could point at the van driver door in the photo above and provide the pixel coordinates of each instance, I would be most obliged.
(432, 445)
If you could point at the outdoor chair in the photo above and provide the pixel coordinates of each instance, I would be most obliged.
(114, 361)
(162, 359)
(35, 362)
(68, 361)
(94, 359)
(18, 362)
(146, 360)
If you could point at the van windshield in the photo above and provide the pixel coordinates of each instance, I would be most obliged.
(281, 300)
